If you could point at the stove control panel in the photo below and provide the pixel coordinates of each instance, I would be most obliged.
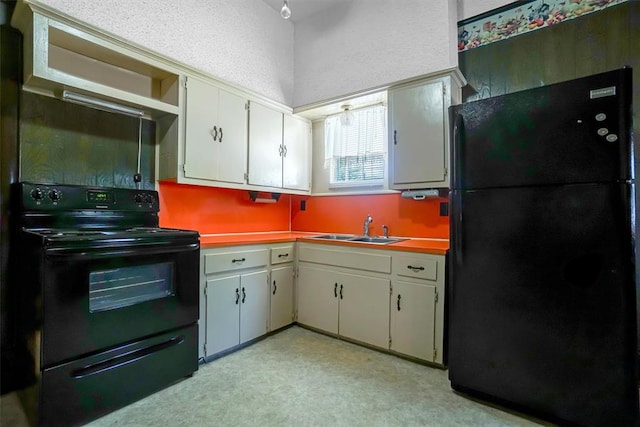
(75, 197)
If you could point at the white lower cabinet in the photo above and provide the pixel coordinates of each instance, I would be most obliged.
(281, 310)
(318, 298)
(246, 291)
(236, 310)
(344, 301)
(364, 309)
(413, 319)
(387, 299)
(391, 300)
(349, 305)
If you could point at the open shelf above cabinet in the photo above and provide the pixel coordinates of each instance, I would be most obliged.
(59, 56)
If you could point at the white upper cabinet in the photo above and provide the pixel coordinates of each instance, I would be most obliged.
(215, 133)
(265, 146)
(279, 149)
(59, 56)
(296, 162)
(419, 132)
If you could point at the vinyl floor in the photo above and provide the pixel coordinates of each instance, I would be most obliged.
(301, 378)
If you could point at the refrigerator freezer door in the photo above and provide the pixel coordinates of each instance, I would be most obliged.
(570, 132)
(542, 301)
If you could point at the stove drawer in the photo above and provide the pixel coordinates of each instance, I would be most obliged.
(84, 389)
(237, 260)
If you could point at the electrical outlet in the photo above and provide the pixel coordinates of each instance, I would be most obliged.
(444, 209)
(303, 205)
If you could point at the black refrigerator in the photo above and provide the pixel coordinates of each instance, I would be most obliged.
(542, 288)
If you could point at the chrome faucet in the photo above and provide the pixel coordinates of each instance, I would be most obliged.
(368, 220)
(385, 231)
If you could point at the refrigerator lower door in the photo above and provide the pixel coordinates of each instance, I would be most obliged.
(542, 301)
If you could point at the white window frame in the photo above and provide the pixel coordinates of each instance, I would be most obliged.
(331, 123)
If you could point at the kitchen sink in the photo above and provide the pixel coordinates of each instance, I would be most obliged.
(359, 239)
(376, 240)
(335, 237)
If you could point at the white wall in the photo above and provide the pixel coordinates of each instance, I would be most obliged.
(471, 8)
(363, 44)
(242, 42)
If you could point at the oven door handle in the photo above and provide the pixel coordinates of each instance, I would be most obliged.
(125, 359)
(94, 253)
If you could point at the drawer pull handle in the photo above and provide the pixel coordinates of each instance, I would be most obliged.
(283, 255)
(238, 260)
(399, 302)
(411, 267)
(335, 290)
(244, 295)
(274, 287)
(237, 296)
(340, 291)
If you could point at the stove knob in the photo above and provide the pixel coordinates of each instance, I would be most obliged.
(138, 198)
(37, 194)
(148, 198)
(55, 195)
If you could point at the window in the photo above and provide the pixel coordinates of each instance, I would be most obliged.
(355, 152)
(122, 287)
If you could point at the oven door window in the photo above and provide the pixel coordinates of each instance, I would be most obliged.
(122, 287)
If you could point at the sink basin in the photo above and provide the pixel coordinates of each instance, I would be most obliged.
(334, 237)
(376, 240)
(359, 239)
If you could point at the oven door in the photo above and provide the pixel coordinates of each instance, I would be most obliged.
(98, 297)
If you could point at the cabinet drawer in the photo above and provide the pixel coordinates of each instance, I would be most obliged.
(282, 254)
(419, 267)
(360, 260)
(228, 261)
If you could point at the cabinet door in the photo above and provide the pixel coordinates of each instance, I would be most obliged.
(417, 134)
(364, 309)
(413, 319)
(232, 138)
(201, 151)
(318, 298)
(265, 146)
(296, 161)
(223, 313)
(254, 310)
(281, 297)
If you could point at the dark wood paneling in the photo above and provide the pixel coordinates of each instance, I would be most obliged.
(65, 143)
(587, 45)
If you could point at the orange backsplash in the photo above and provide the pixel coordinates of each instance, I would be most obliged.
(212, 210)
(346, 214)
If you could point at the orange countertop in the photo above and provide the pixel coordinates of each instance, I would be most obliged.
(430, 246)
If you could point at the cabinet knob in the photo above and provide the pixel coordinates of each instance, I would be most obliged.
(395, 137)
(220, 139)
(244, 295)
(214, 133)
(398, 303)
(335, 290)
(415, 269)
(274, 287)
(237, 296)
(340, 291)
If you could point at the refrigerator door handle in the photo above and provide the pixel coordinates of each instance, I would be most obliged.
(457, 226)
(458, 135)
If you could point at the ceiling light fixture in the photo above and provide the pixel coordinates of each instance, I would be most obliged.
(285, 12)
(346, 117)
